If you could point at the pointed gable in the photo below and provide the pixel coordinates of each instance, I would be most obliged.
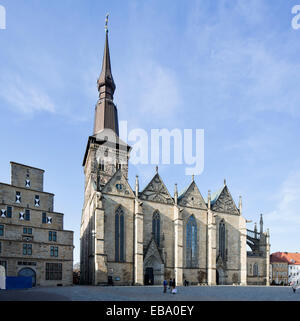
(152, 253)
(156, 191)
(118, 185)
(222, 201)
(192, 197)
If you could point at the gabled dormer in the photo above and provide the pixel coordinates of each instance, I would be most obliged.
(118, 185)
(191, 197)
(156, 191)
(222, 201)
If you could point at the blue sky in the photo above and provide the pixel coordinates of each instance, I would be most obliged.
(229, 67)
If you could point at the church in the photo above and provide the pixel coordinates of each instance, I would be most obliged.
(133, 236)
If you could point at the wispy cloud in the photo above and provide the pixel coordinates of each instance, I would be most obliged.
(149, 92)
(159, 94)
(243, 63)
(284, 220)
(287, 210)
(26, 98)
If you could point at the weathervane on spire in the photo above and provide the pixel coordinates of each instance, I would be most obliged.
(106, 23)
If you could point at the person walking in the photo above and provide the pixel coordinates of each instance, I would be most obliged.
(174, 290)
(165, 286)
(170, 285)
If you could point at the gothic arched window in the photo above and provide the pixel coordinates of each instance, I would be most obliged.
(156, 227)
(255, 269)
(222, 240)
(191, 242)
(101, 165)
(119, 235)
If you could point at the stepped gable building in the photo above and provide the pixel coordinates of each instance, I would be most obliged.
(131, 236)
(32, 239)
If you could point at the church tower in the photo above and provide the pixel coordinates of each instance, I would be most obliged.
(105, 152)
(105, 155)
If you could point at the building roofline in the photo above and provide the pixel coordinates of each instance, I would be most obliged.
(28, 166)
(27, 189)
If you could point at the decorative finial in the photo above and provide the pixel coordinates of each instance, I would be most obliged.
(193, 178)
(137, 186)
(156, 168)
(106, 23)
(225, 182)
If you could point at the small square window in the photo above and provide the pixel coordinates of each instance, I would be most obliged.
(37, 201)
(27, 230)
(27, 215)
(22, 216)
(9, 212)
(54, 251)
(27, 249)
(3, 213)
(27, 182)
(52, 236)
(18, 197)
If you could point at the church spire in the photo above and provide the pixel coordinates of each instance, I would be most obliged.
(106, 114)
(106, 84)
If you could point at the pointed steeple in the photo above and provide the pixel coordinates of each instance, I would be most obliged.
(106, 84)
(137, 186)
(176, 194)
(106, 114)
(261, 223)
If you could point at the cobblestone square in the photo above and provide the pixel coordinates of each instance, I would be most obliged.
(152, 293)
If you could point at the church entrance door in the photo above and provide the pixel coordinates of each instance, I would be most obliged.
(220, 276)
(149, 276)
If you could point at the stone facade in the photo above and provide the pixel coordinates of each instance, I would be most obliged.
(279, 271)
(258, 259)
(133, 237)
(33, 241)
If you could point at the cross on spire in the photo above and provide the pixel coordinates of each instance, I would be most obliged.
(106, 23)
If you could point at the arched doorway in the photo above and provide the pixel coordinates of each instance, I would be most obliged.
(220, 276)
(28, 272)
(153, 271)
(149, 276)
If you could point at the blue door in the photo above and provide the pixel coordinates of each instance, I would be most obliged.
(29, 273)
